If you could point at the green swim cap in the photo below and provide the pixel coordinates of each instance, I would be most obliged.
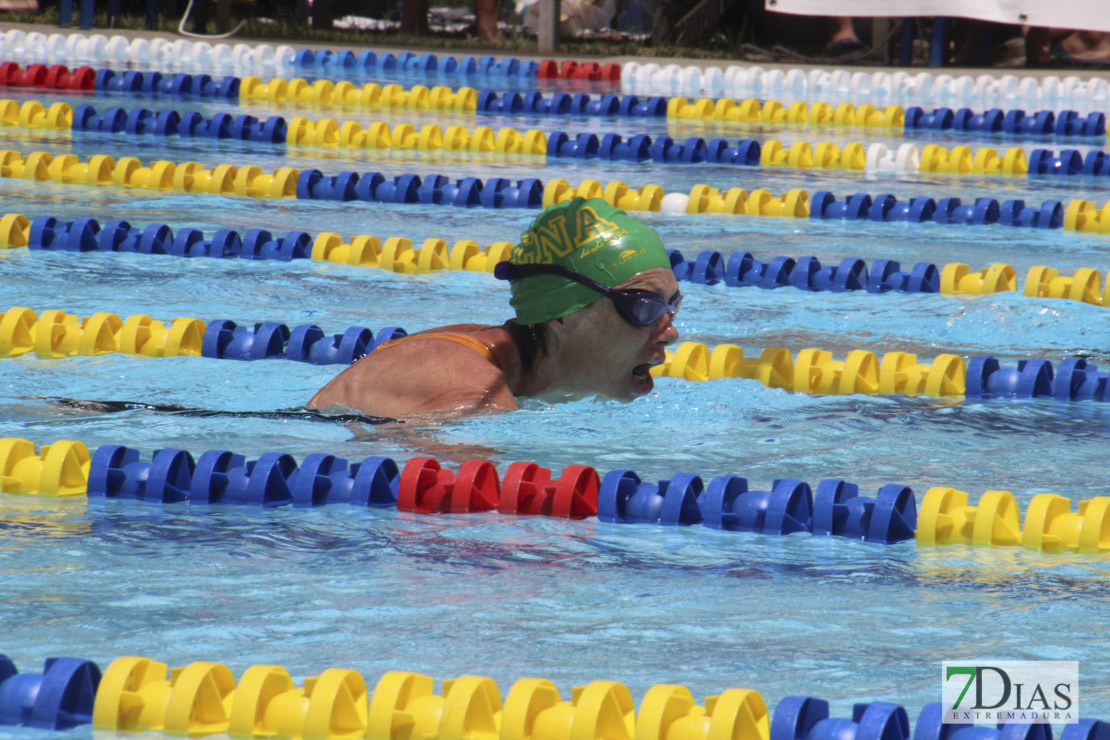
(587, 236)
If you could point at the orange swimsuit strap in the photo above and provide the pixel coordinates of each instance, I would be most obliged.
(466, 340)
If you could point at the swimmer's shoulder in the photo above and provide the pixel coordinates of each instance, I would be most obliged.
(492, 344)
(423, 376)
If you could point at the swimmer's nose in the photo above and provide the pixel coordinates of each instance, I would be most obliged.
(666, 332)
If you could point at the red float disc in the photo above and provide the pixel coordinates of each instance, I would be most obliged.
(476, 487)
(55, 75)
(420, 474)
(82, 78)
(35, 75)
(576, 493)
(588, 71)
(538, 500)
(516, 485)
(7, 70)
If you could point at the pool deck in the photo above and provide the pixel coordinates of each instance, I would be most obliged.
(1082, 73)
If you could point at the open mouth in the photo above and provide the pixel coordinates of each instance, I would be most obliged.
(641, 378)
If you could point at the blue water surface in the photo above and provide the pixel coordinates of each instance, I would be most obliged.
(509, 597)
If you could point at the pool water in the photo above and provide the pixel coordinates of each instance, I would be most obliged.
(509, 597)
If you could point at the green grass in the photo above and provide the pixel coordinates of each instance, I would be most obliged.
(287, 29)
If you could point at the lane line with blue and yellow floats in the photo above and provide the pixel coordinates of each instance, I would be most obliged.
(140, 694)
(56, 334)
(252, 181)
(583, 147)
(399, 254)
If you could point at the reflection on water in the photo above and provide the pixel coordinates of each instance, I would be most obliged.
(489, 542)
(31, 521)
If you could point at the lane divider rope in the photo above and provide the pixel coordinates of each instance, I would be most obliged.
(139, 694)
(178, 52)
(862, 371)
(297, 131)
(286, 182)
(833, 508)
(77, 47)
(734, 79)
(56, 334)
(397, 254)
(801, 83)
(301, 131)
(1015, 122)
(1010, 123)
(426, 65)
(394, 253)
(741, 269)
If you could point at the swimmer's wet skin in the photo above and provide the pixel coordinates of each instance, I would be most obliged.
(565, 341)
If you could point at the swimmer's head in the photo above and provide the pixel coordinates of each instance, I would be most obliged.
(589, 237)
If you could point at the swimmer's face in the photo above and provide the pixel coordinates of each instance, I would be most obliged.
(613, 357)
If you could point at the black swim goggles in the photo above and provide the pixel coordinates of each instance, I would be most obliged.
(637, 307)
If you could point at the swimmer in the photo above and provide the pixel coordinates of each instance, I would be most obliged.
(595, 299)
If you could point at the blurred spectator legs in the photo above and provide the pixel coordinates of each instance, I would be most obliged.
(485, 19)
(414, 17)
(1045, 47)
